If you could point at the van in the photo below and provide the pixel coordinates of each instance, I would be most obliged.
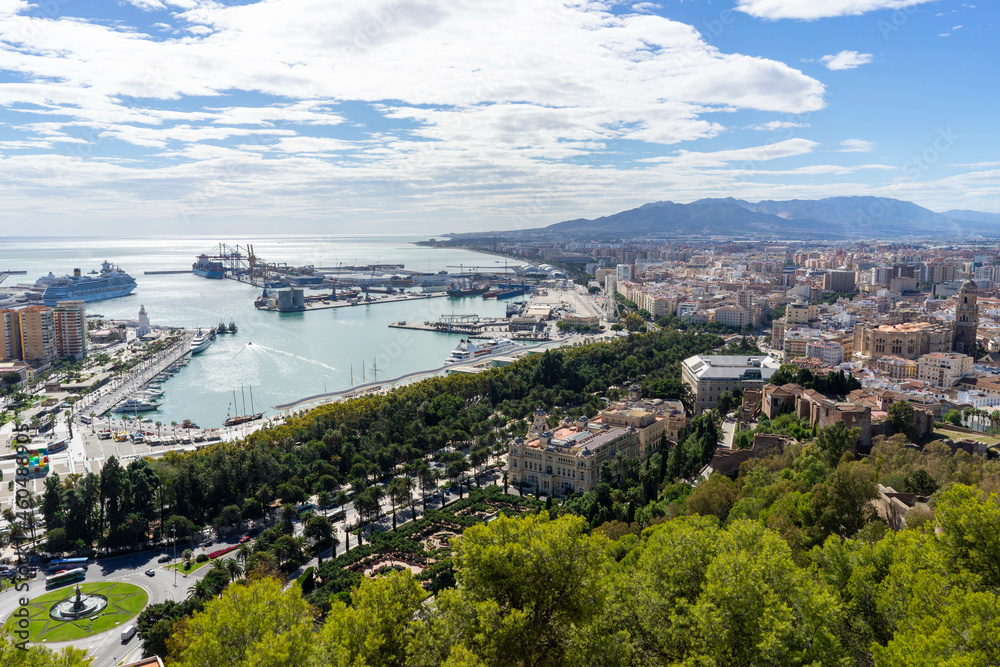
(128, 633)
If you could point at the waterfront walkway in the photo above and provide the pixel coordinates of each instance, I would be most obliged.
(119, 388)
(380, 384)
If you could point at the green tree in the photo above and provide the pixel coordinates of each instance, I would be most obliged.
(757, 608)
(13, 655)
(541, 575)
(970, 525)
(834, 440)
(370, 631)
(903, 418)
(256, 624)
(713, 497)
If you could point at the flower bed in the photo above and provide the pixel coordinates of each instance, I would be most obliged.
(221, 552)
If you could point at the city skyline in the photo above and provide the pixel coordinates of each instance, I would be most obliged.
(194, 117)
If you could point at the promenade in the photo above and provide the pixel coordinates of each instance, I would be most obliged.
(120, 387)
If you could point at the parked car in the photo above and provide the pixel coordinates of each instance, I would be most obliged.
(163, 559)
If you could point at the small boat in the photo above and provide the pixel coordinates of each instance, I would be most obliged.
(232, 327)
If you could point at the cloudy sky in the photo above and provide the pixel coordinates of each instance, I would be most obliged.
(426, 116)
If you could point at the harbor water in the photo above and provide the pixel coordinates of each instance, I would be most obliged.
(282, 356)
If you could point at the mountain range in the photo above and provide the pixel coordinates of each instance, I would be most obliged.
(805, 219)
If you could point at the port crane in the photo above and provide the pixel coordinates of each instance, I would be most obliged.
(368, 286)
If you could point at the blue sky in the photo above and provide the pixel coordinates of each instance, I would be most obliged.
(417, 116)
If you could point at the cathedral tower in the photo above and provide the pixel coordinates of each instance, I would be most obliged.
(966, 318)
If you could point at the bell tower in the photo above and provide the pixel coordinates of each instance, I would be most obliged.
(966, 318)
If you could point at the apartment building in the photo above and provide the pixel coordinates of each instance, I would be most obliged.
(38, 334)
(71, 329)
(10, 330)
(943, 369)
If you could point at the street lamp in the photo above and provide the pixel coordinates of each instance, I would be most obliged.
(173, 531)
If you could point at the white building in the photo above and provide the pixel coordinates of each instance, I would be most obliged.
(709, 376)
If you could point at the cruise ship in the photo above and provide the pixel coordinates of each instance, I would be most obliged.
(110, 283)
(469, 351)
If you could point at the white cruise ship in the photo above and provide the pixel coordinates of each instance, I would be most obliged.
(470, 351)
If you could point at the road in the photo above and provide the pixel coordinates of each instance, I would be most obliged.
(107, 648)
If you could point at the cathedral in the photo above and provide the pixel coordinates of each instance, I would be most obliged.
(911, 340)
(966, 318)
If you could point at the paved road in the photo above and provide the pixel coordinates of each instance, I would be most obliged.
(107, 648)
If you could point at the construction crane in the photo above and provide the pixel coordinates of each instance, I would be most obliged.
(370, 279)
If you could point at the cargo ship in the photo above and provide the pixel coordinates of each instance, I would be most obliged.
(206, 268)
(459, 292)
(110, 283)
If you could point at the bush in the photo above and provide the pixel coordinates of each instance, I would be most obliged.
(201, 558)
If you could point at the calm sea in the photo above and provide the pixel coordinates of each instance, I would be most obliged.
(292, 354)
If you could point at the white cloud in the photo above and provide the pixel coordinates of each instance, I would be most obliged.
(746, 156)
(856, 146)
(846, 60)
(809, 10)
(776, 125)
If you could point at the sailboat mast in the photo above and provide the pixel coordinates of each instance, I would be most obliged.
(251, 400)
(235, 404)
(244, 399)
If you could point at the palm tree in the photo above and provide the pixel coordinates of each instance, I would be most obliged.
(427, 478)
(400, 493)
(324, 499)
(235, 571)
(201, 591)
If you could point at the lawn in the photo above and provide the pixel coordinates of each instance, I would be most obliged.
(194, 566)
(124, 602)
(945, 432)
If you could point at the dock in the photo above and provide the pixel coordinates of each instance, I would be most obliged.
(318, 302)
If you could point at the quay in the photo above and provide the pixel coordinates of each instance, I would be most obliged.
(163, 273)
(325, 302)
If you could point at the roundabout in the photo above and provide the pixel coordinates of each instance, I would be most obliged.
(76, 613)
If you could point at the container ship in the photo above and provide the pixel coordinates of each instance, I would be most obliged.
(206, 268)
(110, 283)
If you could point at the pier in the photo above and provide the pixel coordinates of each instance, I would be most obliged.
(163, 273)
(102, 402)
(326, 302)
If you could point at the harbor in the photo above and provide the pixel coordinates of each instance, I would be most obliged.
(281, 355)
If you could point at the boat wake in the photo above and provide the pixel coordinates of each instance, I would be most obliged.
(288, 354)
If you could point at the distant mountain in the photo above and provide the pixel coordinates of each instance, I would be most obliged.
(975, 216)
(703, 217)
(831, 218)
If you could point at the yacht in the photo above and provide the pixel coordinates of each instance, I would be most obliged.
(470, 351)
(134, 404)
(200, 342)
